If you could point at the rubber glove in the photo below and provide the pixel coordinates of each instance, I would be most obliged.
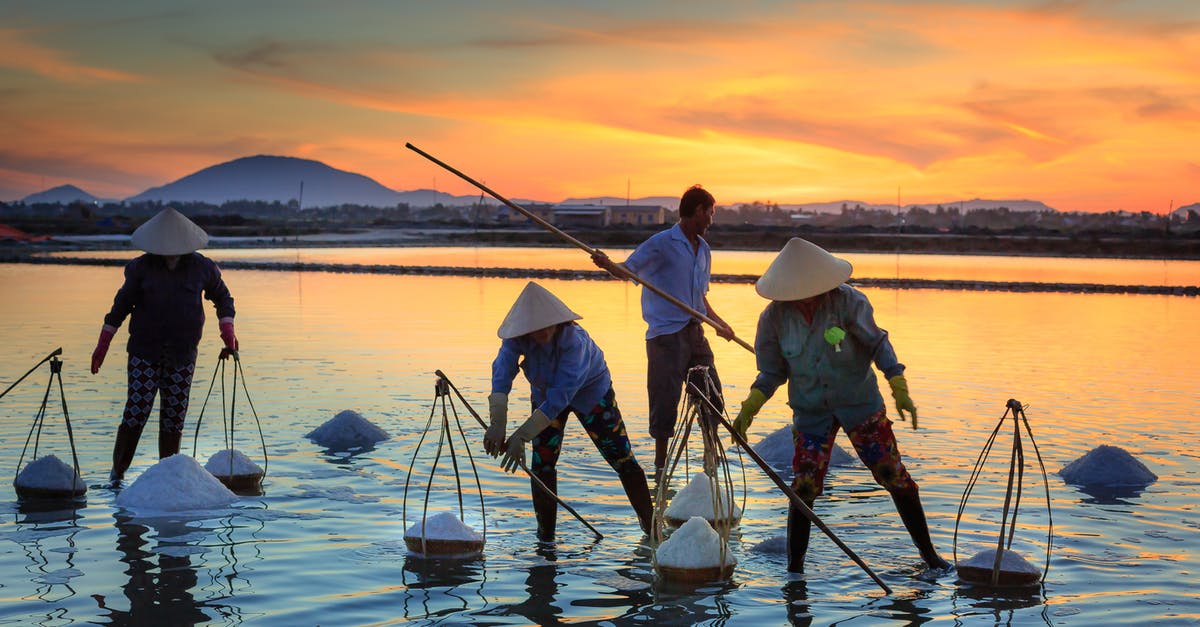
(900, 393)
(749, 410)
(493, 438)
(227, 335)
(514, 454)
(106, 335)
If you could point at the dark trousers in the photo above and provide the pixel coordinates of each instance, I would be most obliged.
(669, 357)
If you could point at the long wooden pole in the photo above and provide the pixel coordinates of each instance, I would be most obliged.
(795, 499)
(532, 477)
(592, 251)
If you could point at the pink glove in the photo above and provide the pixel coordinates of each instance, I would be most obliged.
(227, 336)
(106, 335)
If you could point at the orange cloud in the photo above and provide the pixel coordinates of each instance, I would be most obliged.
(17, 52)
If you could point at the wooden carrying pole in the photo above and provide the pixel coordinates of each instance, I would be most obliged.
(532, 477)
(795, 499)
(592, 251)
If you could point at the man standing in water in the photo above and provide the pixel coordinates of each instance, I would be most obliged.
(677, 261)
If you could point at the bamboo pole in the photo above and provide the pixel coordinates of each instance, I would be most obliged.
(591, 251)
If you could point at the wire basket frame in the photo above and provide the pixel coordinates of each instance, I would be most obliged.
(228, 420)
(35, 432)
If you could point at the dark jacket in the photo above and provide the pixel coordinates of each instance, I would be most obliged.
(167, 314)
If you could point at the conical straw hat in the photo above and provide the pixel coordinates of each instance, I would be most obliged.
(536, 308)
(169, 233)
(802, 269)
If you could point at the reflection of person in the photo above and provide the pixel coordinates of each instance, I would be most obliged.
(159, 591)
(567, 374)
(162, 296)
(819, 336)
(677, 261)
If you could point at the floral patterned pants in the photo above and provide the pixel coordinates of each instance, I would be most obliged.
(875, 444)
(603, 424)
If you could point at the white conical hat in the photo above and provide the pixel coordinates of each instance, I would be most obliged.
(536, 308)
(802, 269)
(169, 233)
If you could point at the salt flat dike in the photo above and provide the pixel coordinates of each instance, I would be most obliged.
(598, 275)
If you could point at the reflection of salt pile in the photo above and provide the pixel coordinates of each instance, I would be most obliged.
(694, 553)
(1107, 466)
(232, 468)
(176, 483)
(347, 430)
(1014, 569)
(48, 477)
(778, 449)
(697, 499)
(443, 535)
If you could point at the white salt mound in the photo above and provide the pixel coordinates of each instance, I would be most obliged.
(176, 483)
(697, 500)
(774, 544)
(694, 545)
(221, 462)
(777, 449)
(1010, 561)
(1107, 466)
(347, 430)
(443, 526)
(49, 473)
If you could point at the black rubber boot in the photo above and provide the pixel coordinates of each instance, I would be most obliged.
(545, 508)
(908, 505)
(123, 451)
(799, 529)
(633, 479)
(168, 442)
(660, 454)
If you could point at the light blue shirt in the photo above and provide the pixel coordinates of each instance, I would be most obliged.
(568, 371)
(824, 383)
(667, 261)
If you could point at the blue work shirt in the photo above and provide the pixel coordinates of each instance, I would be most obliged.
(568, 371)
(825, 384)
(667, 261)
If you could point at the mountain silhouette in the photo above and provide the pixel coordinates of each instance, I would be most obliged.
(63, 195)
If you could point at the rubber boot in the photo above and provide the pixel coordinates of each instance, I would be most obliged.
(633, 479)
(799, 529)
(908, 505)
(545, 508)
(123, 451)
(168, 442)
(660, 454)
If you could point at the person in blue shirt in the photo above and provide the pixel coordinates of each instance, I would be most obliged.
(567, 374)
(819, 336)
(677, 261)
(162, 295)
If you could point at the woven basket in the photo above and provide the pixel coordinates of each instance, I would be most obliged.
(242, 483)
(678, 522)
(26, 492)
(1008, 578)
(695, 575)
(433, 546)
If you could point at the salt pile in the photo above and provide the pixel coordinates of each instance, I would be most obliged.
(221, 463)
(777, 449)
(1014, 569)
(176, 483)
(693, 553)
(1109, 466)
(444, 535)
(774, 544)
(50, 473)
(347, 430)
(697, 499)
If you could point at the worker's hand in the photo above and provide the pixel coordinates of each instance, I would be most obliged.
(514, 453)
(493, 438)
(900, 393)
(227, 334)
(724, 331)
(749, 410)
(106, 335)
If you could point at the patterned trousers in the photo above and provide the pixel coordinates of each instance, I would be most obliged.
(875, 444)
(172, 385)
(604, 426)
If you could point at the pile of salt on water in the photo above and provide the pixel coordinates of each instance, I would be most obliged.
(1107, 466)
(48, 478)
(232, 468)
(1014, 569)
(778, 449)
(175, 484)
(697, 499)
(693, 554)
(347, 430)
(443, 535)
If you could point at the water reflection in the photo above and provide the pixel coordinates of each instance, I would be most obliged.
(795, 596)
(1001, 604)
(434, 583)
(52, 526)
(1110, 495)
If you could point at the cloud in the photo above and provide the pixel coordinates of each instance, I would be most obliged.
(19, 52)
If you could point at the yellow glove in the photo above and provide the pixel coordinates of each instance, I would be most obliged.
(900, 393)
(493, 438)
(750, 408)
(514, 453)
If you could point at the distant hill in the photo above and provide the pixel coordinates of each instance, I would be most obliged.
(270, 178)
(63, 195)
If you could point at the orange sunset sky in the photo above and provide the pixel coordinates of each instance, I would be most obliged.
(1086, 106)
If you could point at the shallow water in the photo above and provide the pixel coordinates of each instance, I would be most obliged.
(324, 543)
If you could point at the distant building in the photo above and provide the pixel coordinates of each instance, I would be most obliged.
(638, 214)
(589, 215)
(592, 216)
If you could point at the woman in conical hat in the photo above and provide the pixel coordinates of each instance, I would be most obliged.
(162, 297)
(819, 336)
(567, 374)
